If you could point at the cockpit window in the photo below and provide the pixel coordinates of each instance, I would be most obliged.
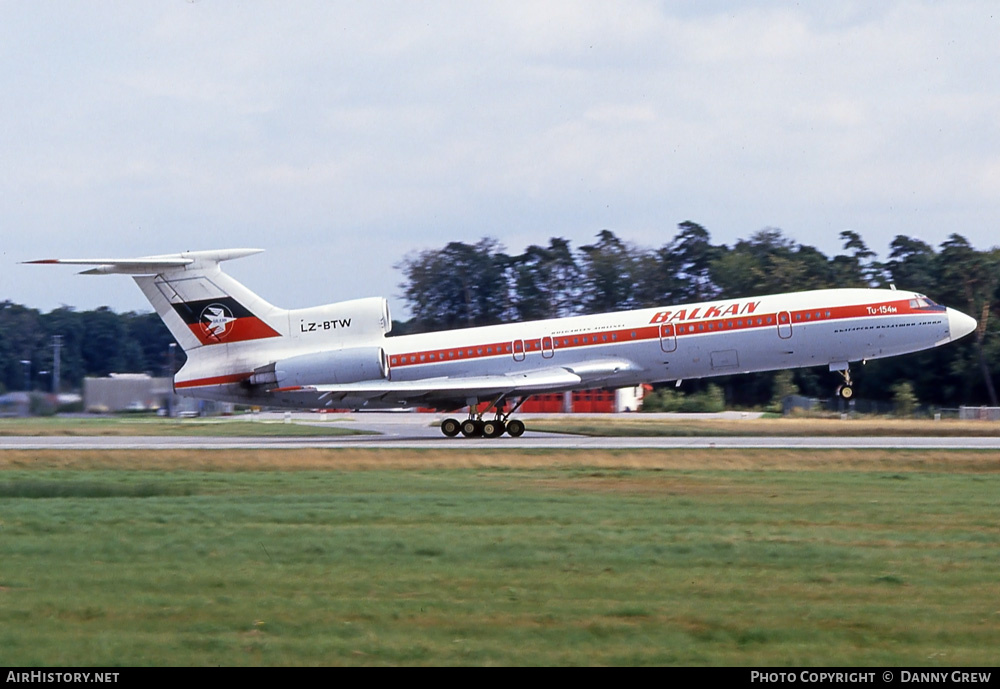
(921, 302)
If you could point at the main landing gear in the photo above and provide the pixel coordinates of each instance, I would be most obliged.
(476, 427)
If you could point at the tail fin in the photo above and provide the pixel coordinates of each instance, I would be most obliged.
(201, 305)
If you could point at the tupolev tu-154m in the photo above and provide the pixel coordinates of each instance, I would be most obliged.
(242, 349)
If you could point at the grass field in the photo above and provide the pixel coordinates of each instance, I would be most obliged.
(641, 425)
(389, 557)
(242, 426)
(633, 425)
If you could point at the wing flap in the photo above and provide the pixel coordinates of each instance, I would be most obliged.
(450, 388)
(445, 388)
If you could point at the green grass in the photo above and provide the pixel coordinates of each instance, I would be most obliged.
(639, 425)
(506, 565)
(240, 426)
(604, 425)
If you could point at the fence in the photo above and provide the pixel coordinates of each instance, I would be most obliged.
(979, 413)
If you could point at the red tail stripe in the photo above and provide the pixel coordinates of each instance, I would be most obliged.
(240, 330)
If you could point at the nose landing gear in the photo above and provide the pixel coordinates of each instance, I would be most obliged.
(845, 391)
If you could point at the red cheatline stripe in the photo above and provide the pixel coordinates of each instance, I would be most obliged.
(681, 328)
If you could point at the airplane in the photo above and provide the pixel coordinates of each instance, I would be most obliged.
(242, 349)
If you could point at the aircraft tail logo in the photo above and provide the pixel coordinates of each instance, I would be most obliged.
(222, 319)
(215, 320)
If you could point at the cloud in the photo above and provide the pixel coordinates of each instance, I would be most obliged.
(360, 131)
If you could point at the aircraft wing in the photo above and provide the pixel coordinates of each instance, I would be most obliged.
(457, 390)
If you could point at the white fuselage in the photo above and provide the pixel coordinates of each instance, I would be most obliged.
(783, 331)
(688, 341)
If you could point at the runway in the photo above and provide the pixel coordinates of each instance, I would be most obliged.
(417, 431)
(524, 443)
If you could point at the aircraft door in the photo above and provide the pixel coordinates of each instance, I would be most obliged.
(784, 325)
(548, 347)
(518, 350)
(668, 337)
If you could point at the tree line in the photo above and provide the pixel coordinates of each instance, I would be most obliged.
(91, 343)
(463, 285)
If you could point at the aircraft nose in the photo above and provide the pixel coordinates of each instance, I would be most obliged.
(959, 325)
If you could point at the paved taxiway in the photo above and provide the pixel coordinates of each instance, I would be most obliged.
(418, 431)
(525, 442)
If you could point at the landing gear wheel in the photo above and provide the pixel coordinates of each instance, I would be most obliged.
(515, 428)
(493, 429)
(451, 427)
(845, 391)
(472, 428)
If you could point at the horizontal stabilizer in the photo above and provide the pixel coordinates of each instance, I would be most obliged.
(151, 265)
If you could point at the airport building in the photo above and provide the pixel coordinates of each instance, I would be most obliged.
(139, 392)
(587, 401)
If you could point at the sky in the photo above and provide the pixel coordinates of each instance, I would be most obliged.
(342, 137)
